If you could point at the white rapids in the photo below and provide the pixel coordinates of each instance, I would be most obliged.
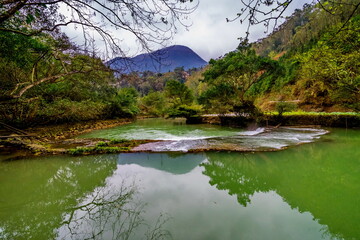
(260, 139)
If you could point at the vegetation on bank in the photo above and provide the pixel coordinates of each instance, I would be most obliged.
(112, 146)
(46, 80)
(301, 113)
(309, 63)
(316, 68)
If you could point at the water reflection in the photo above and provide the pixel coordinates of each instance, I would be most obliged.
(71, 198)
(318, 179)
(36, 193)
(110, 212)
(174, 163)
(308, 192)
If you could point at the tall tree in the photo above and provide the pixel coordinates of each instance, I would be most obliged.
(148, 21)
(178, 93)
(231, 77)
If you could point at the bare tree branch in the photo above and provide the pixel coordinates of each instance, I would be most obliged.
(149, 21)
(269, 12)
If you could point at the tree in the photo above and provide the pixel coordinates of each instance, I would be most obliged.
(231, 77)
(27, 62)
(148, 21)
(125, 103)
(45, 78)
(330, 71)
(178, 93)
(153, 104)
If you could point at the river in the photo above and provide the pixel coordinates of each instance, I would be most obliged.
(309, 188)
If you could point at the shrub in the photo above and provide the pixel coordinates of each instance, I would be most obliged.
(282, 107)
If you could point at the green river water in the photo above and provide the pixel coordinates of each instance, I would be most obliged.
(308, 191)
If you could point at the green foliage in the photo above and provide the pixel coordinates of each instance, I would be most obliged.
(194, 83)
(113, 146)
(124, 103)
(22, 50)
(27, 62)
(148, 82)
(282, 107)
(319, 62)
(219, 98)
(154, 104)
(247, 107)
(65, 110)
(180, 99)
(127, 98)
(184, 111)
(330, 71)
(102, 144)
(297, 113)
(231, 79)
(117, 141)
(178, 93)
(97, 150)
(281, 38)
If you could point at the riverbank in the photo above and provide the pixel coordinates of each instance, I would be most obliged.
(60, 139)
(69, 130)
(341, 120)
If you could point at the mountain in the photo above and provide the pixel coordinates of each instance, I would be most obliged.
(161, 61)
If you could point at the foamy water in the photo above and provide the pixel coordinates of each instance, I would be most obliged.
(261, 139)
(176, 136)
(253, 132)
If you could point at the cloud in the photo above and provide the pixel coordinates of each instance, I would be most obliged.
(210, 35)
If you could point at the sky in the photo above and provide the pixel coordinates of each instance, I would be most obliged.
(209, 35)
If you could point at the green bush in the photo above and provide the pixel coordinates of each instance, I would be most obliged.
(153, 104)
(124, 104)
(247, 107)
(66, 110)
(282, 107)
(184, 111)
(102, 144)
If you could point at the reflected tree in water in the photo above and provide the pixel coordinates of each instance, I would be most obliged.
(312, 179)
(35, 194)
(225, 175)
(111, 213)
(40, 198)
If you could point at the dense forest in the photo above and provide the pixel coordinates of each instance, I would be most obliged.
(311, 62)
(45, 78)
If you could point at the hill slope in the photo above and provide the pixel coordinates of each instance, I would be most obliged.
(163, 60)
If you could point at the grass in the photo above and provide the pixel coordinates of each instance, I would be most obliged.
(112, 146)
(97, 149)
(301, 113)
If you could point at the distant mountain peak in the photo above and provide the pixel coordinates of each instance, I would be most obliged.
(161, 61)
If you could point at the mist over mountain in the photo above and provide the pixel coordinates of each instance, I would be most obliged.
(161, 61)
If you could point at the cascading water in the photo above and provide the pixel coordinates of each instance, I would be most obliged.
(174, 136)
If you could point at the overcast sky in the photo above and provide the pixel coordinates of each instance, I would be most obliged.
(210, 35)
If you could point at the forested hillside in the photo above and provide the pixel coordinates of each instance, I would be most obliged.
(45, 78)
(311, 62)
